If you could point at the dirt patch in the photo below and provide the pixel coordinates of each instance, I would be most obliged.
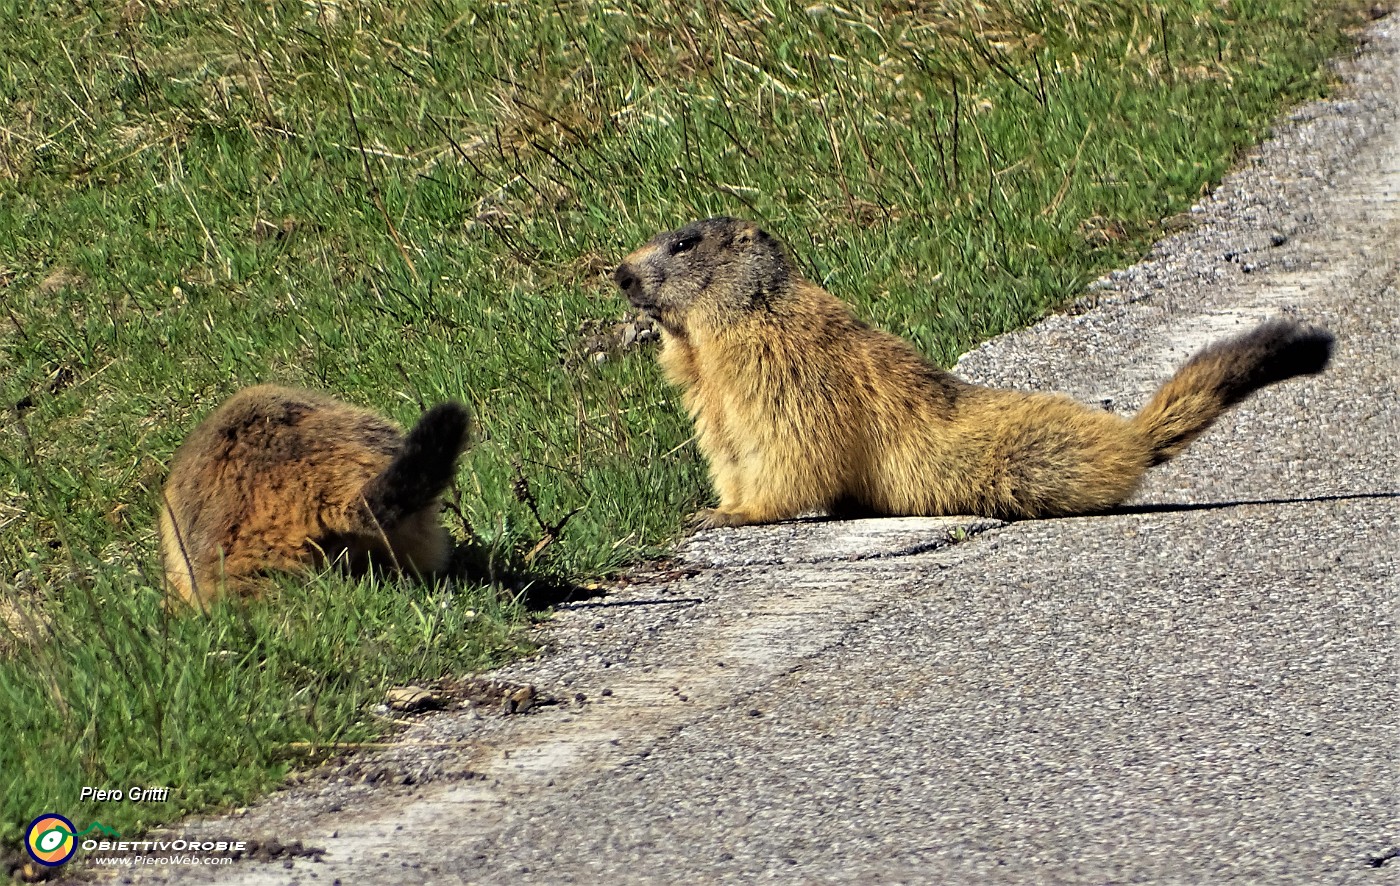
(599, 341)
(60, 279)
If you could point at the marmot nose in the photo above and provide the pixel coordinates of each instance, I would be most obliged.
(625, 278)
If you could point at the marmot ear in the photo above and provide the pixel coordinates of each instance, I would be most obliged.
(745, 236)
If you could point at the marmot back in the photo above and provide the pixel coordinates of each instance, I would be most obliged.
(800, 407)
(280, 479)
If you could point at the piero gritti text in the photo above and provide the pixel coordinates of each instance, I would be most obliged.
(129, 795)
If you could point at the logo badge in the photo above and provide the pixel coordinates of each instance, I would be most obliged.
(51, 839)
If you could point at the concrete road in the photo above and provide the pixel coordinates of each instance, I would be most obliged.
(1200, 689)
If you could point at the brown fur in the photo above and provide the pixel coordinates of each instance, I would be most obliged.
(800, 407)
(278, 479)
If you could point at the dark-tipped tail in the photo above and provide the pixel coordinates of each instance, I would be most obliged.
(1222, 375)
(423, 467)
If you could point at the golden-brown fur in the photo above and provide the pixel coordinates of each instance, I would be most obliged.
(800, 407)
(279, 479)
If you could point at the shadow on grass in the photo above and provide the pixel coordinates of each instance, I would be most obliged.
(534, 589)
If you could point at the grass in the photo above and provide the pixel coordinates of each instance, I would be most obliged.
(122, 694)
(401, 203)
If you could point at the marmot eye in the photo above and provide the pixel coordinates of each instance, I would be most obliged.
(685, 244)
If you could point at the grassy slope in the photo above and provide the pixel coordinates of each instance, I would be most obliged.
(412, 201)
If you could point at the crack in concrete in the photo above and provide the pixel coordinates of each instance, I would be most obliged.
(811, 542)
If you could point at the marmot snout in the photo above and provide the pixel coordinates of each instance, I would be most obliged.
(279, 479)
(800, 407)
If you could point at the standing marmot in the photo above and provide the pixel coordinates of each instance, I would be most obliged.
(278, 479)
(800, 407)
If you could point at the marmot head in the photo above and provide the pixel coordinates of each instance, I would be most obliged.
(707, 269)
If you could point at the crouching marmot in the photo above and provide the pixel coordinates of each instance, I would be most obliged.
(799, 407)
(278, 479)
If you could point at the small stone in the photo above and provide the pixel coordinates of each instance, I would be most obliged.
(411, 698)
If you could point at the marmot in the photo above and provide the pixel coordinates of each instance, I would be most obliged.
(279, 479)
(800, 407)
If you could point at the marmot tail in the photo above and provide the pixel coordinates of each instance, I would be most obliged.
(1223, 374)
(423, 467)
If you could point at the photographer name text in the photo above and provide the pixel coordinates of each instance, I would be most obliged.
(130, 795)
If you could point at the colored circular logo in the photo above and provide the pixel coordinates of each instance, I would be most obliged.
(50, 839)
